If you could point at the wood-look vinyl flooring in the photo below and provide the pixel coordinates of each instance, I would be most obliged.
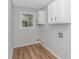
(35, 51)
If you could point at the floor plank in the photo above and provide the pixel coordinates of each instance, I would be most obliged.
(14, 53)
(27, 54)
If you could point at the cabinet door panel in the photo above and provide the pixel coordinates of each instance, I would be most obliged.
(51, 12)
(60, 10)
(41, 17)
(68, 9)
(54, 11)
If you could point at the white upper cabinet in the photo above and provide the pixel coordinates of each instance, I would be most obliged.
(59, 12)
(41, 17)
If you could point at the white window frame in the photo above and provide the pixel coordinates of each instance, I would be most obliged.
(31, 13)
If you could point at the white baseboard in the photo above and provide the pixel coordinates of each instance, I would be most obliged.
(50, 51)
(25, 44)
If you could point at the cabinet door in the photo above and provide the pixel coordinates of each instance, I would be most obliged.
(60, 10)
(68, 9)
(51, 12)
(54, 11)
(41, 17)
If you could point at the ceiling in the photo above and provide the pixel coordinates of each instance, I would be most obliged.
(31, 3)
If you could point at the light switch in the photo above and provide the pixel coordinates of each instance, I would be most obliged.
(60, 35)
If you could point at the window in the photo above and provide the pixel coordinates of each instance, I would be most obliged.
(27, 20)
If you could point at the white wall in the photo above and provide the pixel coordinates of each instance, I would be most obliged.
(23, 36)
(10, 31)
(49, 35)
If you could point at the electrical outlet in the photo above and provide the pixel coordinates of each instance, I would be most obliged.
(60, 35)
